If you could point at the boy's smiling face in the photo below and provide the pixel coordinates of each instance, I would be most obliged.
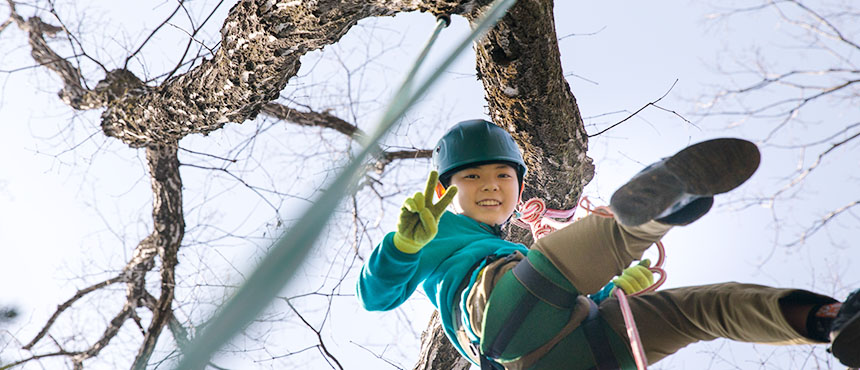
(487, 193)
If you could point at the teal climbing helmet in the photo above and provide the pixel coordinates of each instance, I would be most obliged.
(473, 143)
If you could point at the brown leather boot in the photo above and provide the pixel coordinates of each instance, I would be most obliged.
(673, 188)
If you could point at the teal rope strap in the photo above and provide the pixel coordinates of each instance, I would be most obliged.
(288, 252)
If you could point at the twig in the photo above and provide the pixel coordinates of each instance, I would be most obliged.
(379, 356)
(208, 155)
(653, 103)
(318, 333)
(822, 222)
(61, 308)
(154, 31)
(582, 34)
(813, 166)
(191, 39)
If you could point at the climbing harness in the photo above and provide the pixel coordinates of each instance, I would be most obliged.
(287, 253)
(534, 215)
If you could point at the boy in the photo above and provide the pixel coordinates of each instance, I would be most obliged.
(505, 305)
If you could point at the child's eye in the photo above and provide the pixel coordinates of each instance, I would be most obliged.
(471, 176)
(505, 175)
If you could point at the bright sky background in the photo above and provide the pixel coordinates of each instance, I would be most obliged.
(66, 215)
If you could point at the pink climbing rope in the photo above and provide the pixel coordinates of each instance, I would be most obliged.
(534, 215)
(632, 331)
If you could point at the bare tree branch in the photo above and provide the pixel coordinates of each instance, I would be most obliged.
(318, 333)
(5, 24)
(151, 34)
(390, 156)
(169, 225)
(65, 305)
(312, 119)
(191, 40)
(110, 332)
(803, 174)
(823, 222)
(37, 357)
(327, 120)
(73, 93)
(834, 31)
(653, 103)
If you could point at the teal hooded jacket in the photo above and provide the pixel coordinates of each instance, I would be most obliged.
(390, 276)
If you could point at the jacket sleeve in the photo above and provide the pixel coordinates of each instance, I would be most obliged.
(603, 294)
(388, 277)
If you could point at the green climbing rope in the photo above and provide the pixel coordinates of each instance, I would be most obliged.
(288, 252)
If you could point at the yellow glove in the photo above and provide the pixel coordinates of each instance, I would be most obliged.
(635, 278)
(419, 217)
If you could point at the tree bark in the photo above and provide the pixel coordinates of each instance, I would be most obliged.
(169, 225)
(437, 352)
(520, 67)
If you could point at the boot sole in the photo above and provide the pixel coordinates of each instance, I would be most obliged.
(846, 346)
(707, 168)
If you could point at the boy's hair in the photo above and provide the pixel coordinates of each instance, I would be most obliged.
(473, 143)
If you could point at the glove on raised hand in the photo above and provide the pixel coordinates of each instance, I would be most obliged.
(635, 278)
(419, 217)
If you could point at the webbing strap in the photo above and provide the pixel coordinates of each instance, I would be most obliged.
(542, 287)
(487, 364)
(539, 287)
(598, 342)
(513, 322)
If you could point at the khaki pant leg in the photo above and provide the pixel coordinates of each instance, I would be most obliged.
(593, 250)
(671, 319)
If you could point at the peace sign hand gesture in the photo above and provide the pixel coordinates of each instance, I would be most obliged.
(419, 217)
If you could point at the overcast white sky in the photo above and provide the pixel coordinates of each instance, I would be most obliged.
(66, 213)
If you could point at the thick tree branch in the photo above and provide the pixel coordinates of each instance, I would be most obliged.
(73, 93)
(312, 119)
(262, 42)
(169, 225)
(390, 156)
(5, 24)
